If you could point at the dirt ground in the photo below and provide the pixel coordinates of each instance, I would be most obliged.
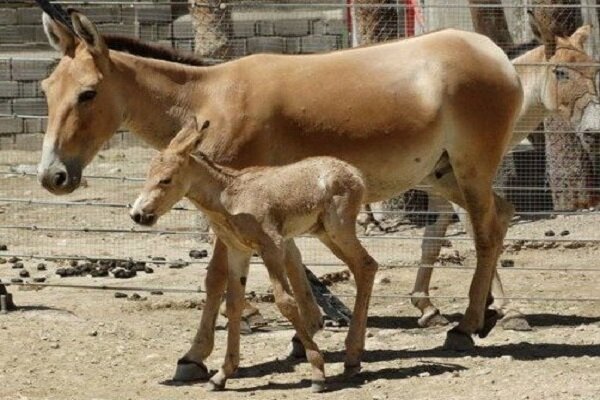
(82, 344)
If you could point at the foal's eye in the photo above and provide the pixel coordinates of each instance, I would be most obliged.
(86, 96)
(560, 74)
(166, 181)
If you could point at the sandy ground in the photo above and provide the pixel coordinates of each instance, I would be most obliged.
(76, 344)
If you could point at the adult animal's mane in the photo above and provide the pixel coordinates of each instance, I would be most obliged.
(138, 48)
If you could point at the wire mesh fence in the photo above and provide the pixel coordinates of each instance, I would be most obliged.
(552, 171)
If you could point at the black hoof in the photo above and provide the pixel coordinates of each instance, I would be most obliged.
(458, 340)
(491, 318)
(190, 371)
(297, 350)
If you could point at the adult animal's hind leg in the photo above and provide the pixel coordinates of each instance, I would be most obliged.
(191, 366)
(430, 250)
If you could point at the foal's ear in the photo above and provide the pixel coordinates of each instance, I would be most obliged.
(580, 36)
(189, 137)
(88, 33)
(59, 36)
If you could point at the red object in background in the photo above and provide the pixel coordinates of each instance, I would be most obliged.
(409, 17)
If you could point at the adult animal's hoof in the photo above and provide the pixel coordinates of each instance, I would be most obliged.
(190, 371)
(317, 386)
(491, 318)
(457, 340)
(433, 318)
(351, 370)
(212, 386)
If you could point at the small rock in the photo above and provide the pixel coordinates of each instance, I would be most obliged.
(507, 358)
(93, 333)
(73, 263)
(16, 280)
(55, 346)
(121, 273)
(120, 295)
(158, 259)
(18, 265)
(156, 293)
(41, 267)
(176, 265)
(549, 233)
(148, 270)
(2, 260)
(424, 374)
(24, 273)
(3, 247)
(384, 280)
(565, 233)
(196, 254)
(136, 297)
(13, 260)
(39, 279)
(507, 263)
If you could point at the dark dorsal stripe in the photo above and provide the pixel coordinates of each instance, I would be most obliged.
(135, 47)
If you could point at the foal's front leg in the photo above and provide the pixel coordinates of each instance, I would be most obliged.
(191, 366)
(236, 285)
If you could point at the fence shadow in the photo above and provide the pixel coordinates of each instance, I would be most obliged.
(535, 320)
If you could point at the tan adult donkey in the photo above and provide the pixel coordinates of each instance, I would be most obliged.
(437, 108)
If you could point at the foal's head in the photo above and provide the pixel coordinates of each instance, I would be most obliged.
(84, 103)
(170, 175)
(572, 80)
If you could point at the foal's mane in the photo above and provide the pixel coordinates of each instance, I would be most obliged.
(136, 47)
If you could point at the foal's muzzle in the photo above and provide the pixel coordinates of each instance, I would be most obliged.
(142, 218)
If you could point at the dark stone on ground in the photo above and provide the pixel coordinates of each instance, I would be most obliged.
(18, 265)
(198, 253)
(120, 295)
(2, 260)
(156, 293)
(16, 280)
(73, 263)
(176, 265)
(120, 273)
(13, 260)
(507, 263)
(39, 279)
(148, 270)
(549, 233)
(41, 267)
(564, 233)
(24, 273)
(3, 247)
(159, 259)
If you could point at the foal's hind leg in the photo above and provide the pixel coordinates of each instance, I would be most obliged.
(430, 250)
(311, 313)
(274, 261)
(340, 236)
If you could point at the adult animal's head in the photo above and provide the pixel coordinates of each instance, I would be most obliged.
(84, 109)
(571, 86)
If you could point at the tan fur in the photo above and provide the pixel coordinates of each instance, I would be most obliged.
(391, 110)
(260, 210)
(544, 94)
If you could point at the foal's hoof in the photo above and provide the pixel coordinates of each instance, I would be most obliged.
(351, 370)
(491, 318)
(188, 371)
(431, 319)
(212, 386)
(457, 340)
(317, 386)
(296, 349)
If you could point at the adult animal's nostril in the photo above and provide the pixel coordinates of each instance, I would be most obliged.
(137, 217)
(60, 178)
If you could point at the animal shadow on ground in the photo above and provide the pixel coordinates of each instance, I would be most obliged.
(535, 320)
(339, 382)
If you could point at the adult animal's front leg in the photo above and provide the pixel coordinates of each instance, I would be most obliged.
(191, 366)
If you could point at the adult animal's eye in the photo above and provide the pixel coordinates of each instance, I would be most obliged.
(561, 74)
(86, 96)
(166, 181)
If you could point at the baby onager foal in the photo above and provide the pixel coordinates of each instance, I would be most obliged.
(259, 210)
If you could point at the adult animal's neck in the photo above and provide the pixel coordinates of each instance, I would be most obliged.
(159, 95)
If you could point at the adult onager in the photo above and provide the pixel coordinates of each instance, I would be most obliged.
(437, 108)
(568, 86)
(259, 209)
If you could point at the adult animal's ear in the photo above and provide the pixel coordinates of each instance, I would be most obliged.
(88, 33)
(59, 36)
(580, 36)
